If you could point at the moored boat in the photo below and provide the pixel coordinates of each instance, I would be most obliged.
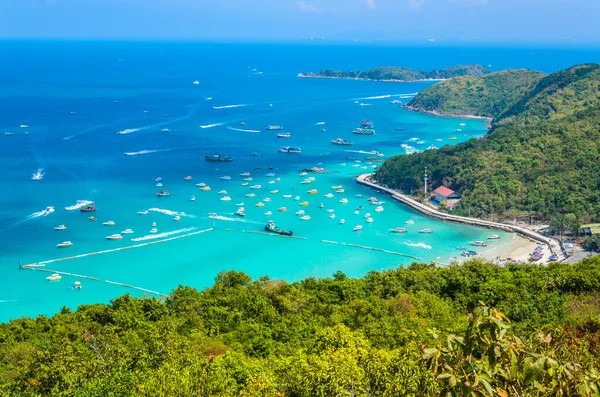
(65, 244)
(426, 231)
(289, 149)
(114, 237)
(88, 208)
(270, 227)
(340, 141)
(60, 227)
(54, 277)
(163, 193)
(494, 237)
(398, 230)
(216, 157)
(478, 244)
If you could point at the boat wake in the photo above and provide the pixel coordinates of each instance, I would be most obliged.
(403, 96)
(171, 213)
(373, 152)
(224, 218)
(141, 152)
(128, 131)
(80, 203)
(40, 214)
(241, 130)
(163, 235)
(211, 125)
(418, 245)
(320, 123)
(228, 106)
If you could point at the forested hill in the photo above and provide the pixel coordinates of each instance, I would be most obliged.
(542, 158)
(403, 74)
(396, 333)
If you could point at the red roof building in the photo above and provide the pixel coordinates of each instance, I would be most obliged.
(443, 193)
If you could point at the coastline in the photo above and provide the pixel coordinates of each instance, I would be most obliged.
(518, 252)
(457, 116)
(316, 76)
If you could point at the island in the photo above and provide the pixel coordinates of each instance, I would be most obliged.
(401, 74)
(540, 159)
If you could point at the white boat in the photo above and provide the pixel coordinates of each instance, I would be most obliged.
(271, 182)
(267, 200)
(109, 223)
(60, 227)
(462, 124)
(245, 174)
(332, 216)
(24, 126)
(48, 210)
(248, 179)
(287, 196)
(356, 212)
(153, 224)
(342, 221)
(270, 175)
(297, 198)
(377, 202)
(196, 82)
(201, 184)
(54, 277)
(427, 231)
(274, 191)
(226, 198)
(127, 231)
(409, 222)
(153, 230)
(114, 237)
(77, 285)
(398, 230)
(240, 204)
(305, 218)
(357, 228)
(268, 213)
(494, 237)
(379, 209)
(329, 195)
(223, 192)
(251, 195)
(177, 218)
(65, 244)
(159, 184)
(145, 212)
(368, 215)
(226, 178)
(331, 210)
(193, 198)
(255, 187)
(39, 175)
(340, 191)
(188, 178)
(358, 195)
(158, 179)
(369, 220)
(301, 212)
(303, 173)
(245, 184)
(344, 201)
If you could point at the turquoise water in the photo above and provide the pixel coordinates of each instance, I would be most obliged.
(109, 85)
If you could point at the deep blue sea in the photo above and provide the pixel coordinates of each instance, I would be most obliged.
(130, 87)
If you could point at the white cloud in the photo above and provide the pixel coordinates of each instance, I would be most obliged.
(307, 6)
(370, 4)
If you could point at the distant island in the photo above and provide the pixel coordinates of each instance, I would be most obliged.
(400, 74)
(540, 159)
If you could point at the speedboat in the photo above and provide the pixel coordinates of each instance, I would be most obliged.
(409, 222)
(358, 195)
(193, 198)
(226, 178)
(177, 218)
(163, 193)
(165, 130)
(267, 200)
(493, 237)
(201, 184)
(270, 175)
(88, 208)
(212, 215)
(54, 277)
(268, 213)
(342, 221)
(425, 231)
(114, 237)
(303, 173)
(251, 195)
(369, 220)
(223, 192)
(340, 191)
(226, 198)
(248, 179)
(109, 223)
(77, 285)
(329, 195)
(158, 179)
(357, 228)
(285, 135)
(92, 218)
(282, 209)
(127, 231)
(478, 244)
(305, 218)
(321, 205)
(187, 178)
(297, 198)
(205, 188)
(153, 224)
(356, 212)
(379, 209)
(65, 244)
(289, 149)
(240, 204)
(398, 230)
(60, 227)
(344, 201)
(287, 196)
(301, 212)
(377, 202)
(307, 181)
(368, 215)
(332, 216)
(313, 191)
(304, 204)
(274, 191)
(255, 187)
(24, 126)
(196, 82)
(245, 174)
(39, 175)
(153, 230)
(240, 213)
(260, 204)
(145, 212)
(159, 185)
(337, 187)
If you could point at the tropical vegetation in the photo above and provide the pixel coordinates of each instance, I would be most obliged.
(465, 330)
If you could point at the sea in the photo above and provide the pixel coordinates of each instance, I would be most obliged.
(102, 121)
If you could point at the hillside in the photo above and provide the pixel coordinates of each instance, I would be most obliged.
(402, 74)
(486, 96)
(403, 332)
(541, 159)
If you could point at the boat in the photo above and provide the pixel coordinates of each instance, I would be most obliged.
(305, 218)
(363, 131)
(187, 178)
(159, 185)
(226, 178)
(88, 208)
(478, 244)
(114, 237)
(8, 134)
(109, 223)
(54, 277)
(357, 228)
(245, 174)
(273, 128)
(274, 191)
(285, 135)
(77, 285)
(216, 157)
(201, 184)
(344, 201)
(304, 204)
(163, 193)
(268, 213)
(260, 204)
(223, 192)
(369, 220)
(289, 149)
(342, 221)
(205, 188)
(356, 212)
(379, 209)
(251, 195)
(270, 227)
(307, 181)
(329, 195)
(331, 210)
(332, 216)
(313, 191)
(267, 200)
(297, 198)
(303, 173)
(425, 231)
(153, 224)
(494, 237)
(336, 187)
(193, 198)
(248, 179)
(38, 175)
(226, 198)
(360, 207)
(60, 227)
(65, 244)
(24, 126)
(366, 124)
(453, 138)
(127, 231)
(377, 202)
(301, 212)
(153, 230)
(287, 196)
(462, 124)
(398, 230)
(282, 209)
(177, 218)
(255, 154)
(340, 191)
(409, 222)
(240, 213)
(92, 218)
(196, 82)
(240, 204)
(321, 205)
(242, 123)
(165, 130)
(340, 141)
(245, 184)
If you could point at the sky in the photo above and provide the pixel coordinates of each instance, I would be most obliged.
(569, 21)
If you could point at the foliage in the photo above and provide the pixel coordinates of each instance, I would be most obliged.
(541, 159)
(337, 336)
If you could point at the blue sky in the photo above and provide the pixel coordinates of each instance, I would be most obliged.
(390, 20)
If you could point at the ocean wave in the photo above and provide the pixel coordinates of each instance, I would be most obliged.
(241, 130)
(211, 125)
(171, 213)
(80, 203)
(163, 235)
(128, 131)
(228, 106)
(39, 214)
(417, 245)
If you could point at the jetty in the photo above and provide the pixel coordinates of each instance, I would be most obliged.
(367, 180)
